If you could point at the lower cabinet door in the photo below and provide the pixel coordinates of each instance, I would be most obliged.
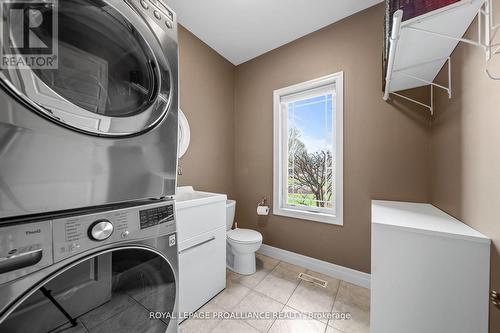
(202, 269)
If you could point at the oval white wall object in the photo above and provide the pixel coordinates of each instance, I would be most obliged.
(184, 134)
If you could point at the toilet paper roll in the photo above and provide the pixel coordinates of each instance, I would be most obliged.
(262, 210)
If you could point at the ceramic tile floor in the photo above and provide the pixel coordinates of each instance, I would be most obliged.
(276, 288)
(125, 311)
(131, 301)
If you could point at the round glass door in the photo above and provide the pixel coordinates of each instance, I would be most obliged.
(107, 79)
(111, 292)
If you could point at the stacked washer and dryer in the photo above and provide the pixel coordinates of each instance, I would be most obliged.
(88, 164)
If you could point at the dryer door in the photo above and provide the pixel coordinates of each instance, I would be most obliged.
(115, 73)
(115, 291)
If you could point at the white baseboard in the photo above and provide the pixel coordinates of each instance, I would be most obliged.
(339, 272)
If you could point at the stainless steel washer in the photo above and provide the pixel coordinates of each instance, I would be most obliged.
(102, 127)
(104, 271)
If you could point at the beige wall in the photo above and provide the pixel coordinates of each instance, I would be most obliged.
(391, 151)
(386, 146)
(466, 151)
(207, 97)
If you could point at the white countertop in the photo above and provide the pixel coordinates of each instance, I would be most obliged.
(422, 218)
(186, 197)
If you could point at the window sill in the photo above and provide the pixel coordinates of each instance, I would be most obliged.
(310, 216)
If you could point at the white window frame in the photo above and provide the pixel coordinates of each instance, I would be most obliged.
(281, 151)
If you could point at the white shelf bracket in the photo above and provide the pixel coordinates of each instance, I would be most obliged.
(411, 76)
(490, 29)
(490, 32)
(491, 14)
(430, 107)
(432, 84)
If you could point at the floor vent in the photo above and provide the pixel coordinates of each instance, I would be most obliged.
(312, 279)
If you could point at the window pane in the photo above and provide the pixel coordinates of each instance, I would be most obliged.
(310, 152)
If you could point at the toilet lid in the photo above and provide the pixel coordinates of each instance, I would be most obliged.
(244, 236)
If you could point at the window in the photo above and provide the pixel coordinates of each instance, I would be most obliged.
(308, 157)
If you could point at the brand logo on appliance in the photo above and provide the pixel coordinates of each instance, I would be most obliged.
(29, 34)
(33, 232)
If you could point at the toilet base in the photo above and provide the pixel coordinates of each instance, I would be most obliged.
(241, 260)
(243, 264)
(240, 256)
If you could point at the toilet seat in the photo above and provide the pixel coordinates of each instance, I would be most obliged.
(244, 236)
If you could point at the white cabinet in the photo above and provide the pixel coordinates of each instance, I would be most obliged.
(430, 272)
(201, 271)
(201, 232)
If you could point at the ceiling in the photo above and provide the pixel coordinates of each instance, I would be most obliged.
(240, 30)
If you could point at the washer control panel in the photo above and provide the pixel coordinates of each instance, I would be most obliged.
(72, 235)
(24, 248)
(154, 216)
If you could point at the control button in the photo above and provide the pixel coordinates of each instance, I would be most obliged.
(74, 247)
(157, 14)
(168, 24)
(144, 4)
(165, 10)
(125, 234)
(100, 230)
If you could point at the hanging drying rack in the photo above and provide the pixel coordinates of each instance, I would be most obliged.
(421, 46)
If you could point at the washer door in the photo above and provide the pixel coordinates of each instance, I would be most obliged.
(110, 292)
(113, 77)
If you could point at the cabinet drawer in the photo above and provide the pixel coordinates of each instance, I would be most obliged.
(197, 220)
(202, 269)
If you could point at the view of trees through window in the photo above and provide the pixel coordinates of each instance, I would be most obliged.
(311, 159)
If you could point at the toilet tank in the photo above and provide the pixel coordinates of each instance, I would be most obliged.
(230, 210)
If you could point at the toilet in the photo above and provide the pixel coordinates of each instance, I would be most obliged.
(241, 244)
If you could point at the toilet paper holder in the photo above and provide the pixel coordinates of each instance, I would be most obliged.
(262, 201)
(262, 208)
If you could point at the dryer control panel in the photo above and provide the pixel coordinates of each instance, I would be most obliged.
(159, 13)
(72, 235)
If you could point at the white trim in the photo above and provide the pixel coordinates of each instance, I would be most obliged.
(339, 272)
(306, 215)
(279, 208)
(306, 92)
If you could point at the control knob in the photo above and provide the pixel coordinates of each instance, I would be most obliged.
(100, 230)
